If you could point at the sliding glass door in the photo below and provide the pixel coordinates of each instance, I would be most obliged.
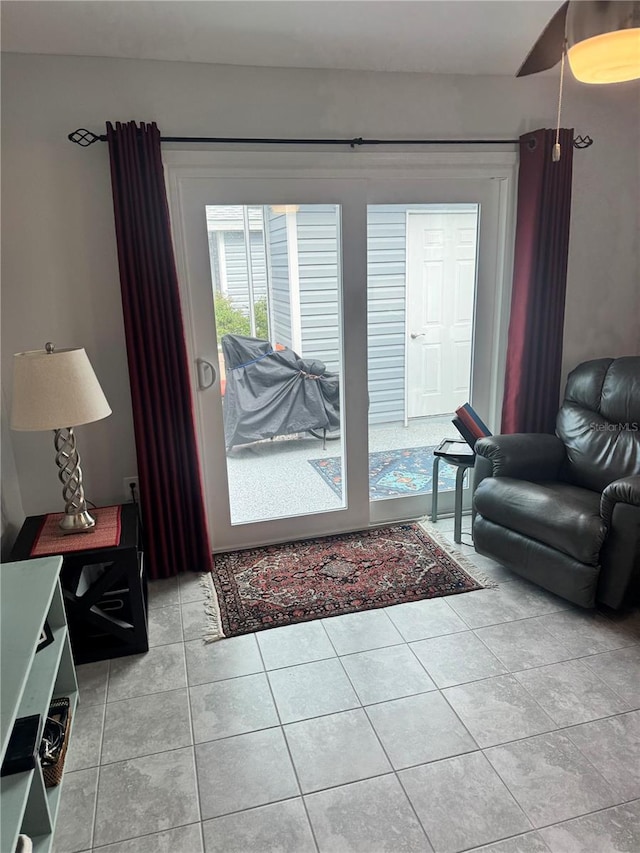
(335, 318)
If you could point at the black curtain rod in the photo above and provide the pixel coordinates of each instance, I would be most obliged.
(85, 138)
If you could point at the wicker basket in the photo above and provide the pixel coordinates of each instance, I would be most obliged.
(53, 773)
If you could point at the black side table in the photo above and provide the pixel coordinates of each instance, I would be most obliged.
(460, 461)
(104, 590)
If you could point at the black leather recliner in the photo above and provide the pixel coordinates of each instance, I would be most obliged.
(563, 510)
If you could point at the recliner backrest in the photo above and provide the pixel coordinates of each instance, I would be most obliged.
(599, 422)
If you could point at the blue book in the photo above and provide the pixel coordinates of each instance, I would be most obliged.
(464, 432)
(472, 421)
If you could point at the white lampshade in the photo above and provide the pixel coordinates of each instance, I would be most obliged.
(54, 390)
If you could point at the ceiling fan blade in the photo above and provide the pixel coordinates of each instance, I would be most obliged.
(547, 51)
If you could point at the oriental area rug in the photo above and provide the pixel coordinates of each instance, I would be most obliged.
(408, 471)
(299, 581)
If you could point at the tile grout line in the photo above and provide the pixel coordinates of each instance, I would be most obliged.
(286, 742)
(193, 736)
(538, 829)
(581, 722)
(149, 652)
(191, 726)
(104, 726)
(384, 751)
(382, 775)
(559, 730)
(512, 794)
(481, 750)
(613, 689)
(411, 643)
(144, 835)
(506, 838)
(152, 587)
(588, 814)
(502, 660)
(146, 755)
(522, 686)
(263, 805)
(586, 757)
(593, 767)
(503, 621)
(573, 817)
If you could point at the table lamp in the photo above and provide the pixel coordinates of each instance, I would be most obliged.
(57, 389)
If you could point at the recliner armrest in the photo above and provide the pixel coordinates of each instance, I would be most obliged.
(523, 456)
(625, 490)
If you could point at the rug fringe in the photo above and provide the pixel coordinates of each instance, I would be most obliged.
(214, 630)
(461, 559)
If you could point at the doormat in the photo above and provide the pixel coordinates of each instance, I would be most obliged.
(408, 471)
(299, 581)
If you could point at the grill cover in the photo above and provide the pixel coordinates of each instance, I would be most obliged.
(275, 392)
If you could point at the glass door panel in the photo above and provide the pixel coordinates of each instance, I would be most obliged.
(269, 288)
(276, 281)
(422, 262)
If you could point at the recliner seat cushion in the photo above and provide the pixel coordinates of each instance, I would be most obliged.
(560, 515)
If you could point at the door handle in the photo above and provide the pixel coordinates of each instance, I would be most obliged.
(415, 335)
(206, 371)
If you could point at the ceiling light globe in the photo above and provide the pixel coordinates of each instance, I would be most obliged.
(612, 57)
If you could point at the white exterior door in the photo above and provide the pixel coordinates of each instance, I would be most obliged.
(441, 279)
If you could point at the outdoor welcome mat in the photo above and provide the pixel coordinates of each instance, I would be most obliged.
(408, 471)
(299, 581)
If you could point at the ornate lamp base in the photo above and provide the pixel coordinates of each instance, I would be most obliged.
(76, 517)
(78, 522)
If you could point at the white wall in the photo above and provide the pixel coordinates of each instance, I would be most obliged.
(12, 513)
(59, 264)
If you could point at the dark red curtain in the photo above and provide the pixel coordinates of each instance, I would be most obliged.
(534, 353)
(168, 467)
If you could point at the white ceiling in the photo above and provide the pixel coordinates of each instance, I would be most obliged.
(446, 37)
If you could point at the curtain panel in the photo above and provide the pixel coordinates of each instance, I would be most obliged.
(534, 350)
(173, 512)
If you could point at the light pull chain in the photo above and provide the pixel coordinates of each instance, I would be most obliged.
(555, 155)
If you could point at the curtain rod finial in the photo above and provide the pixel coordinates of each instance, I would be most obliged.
(582, 142)
(84, 137)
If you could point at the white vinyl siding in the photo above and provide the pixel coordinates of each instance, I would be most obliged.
(236, 269)
(317, 230)
(386, 270)
(280, 309)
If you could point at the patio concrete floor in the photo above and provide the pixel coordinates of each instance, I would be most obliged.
(273, 479)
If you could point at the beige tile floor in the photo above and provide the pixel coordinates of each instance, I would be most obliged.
(500, 720)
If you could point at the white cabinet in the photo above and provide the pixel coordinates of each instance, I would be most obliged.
(30, 594)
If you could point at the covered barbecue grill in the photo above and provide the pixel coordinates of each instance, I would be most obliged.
(272, 392)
